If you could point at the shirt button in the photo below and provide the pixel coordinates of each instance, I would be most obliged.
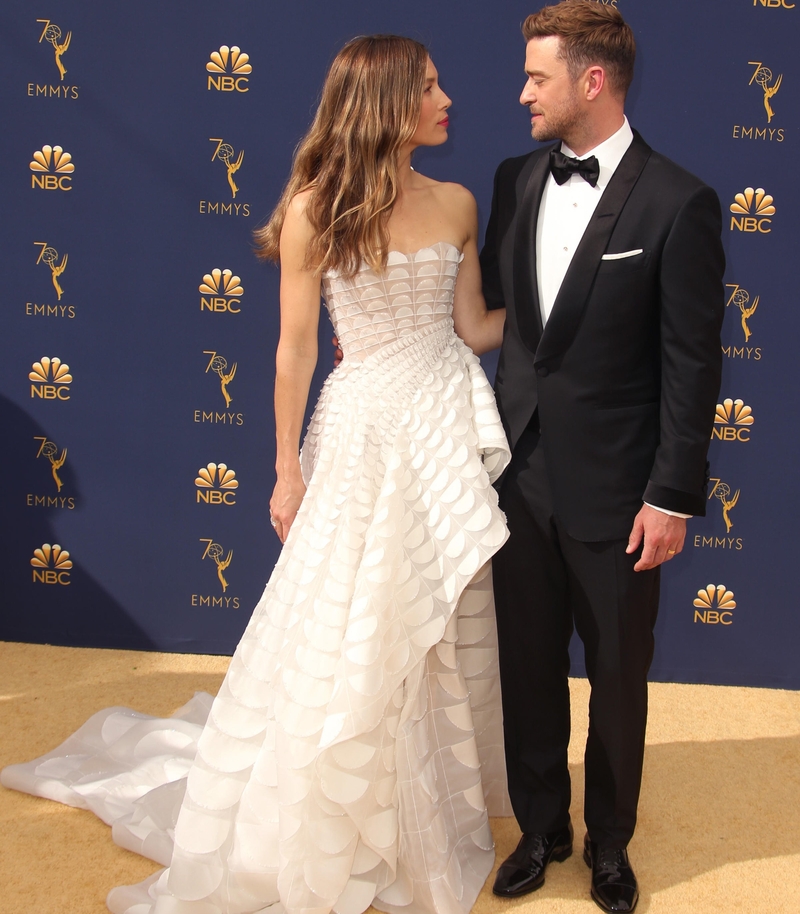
(566, 249)
(574, 204)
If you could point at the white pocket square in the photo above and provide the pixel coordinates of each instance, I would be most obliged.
(622, 255)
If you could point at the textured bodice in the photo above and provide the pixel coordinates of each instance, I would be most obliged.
(373, 310)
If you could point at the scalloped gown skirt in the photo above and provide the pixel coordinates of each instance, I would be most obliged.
(356, 740)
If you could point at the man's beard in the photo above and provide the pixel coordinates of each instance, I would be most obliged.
(561, 122)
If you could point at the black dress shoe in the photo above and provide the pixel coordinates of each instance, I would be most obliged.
(523, 871)
(614, 885)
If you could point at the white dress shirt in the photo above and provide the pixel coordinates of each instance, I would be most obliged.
(564, 214)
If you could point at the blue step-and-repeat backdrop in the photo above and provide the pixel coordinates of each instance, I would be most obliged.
(141, 145)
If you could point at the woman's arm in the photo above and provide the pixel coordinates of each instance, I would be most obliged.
(481, 329)
(295, 361)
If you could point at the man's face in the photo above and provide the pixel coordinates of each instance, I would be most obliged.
(550, 93)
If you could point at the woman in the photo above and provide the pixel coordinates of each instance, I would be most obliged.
(346, 758)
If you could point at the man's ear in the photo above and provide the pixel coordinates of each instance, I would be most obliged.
(594, 80)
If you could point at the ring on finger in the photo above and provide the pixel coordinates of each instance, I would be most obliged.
(272, 520)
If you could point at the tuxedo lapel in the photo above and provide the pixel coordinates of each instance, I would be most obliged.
(530, 186)
(576, 286)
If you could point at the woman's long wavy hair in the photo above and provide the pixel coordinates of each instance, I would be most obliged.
(369, 109)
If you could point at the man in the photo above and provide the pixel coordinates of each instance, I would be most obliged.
(611, 272)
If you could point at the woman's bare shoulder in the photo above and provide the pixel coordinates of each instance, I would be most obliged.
(299, 203)
(455, 196)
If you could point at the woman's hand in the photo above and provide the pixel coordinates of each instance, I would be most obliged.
(285, 503)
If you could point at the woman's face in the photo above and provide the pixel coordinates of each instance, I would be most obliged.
(432, 126)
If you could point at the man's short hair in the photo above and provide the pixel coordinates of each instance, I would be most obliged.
(591, 33)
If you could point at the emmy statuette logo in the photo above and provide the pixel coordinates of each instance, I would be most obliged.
(741, 299)
(227, 156)
(49, 256)
(752, 207)
(221, 291)
(722, 492)
(714, 605)
(732, 421)
(762, 77)
(52, 33)
(219, 366)
(224, 152)
(51, 565)
(52, 169)
(51, 379)
(49, 451)
(728, 499)
(227, 68)
(215, 552)
(747, 306)
(216, 485)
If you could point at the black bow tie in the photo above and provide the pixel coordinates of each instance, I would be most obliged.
(563, 167)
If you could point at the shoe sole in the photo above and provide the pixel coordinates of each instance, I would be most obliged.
(559, 855)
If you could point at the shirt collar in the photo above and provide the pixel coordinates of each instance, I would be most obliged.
(609, 153)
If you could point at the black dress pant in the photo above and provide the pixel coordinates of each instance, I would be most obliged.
(545, 582)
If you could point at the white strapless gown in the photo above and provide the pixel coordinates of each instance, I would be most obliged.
(356, 741)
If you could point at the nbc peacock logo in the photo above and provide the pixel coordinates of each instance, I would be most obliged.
(220, 291)
(732, 421)
(714, 605)
(52, 169)
(216, 485)
(751, 210)
(50, 379)
(228, 70)
(51, 565)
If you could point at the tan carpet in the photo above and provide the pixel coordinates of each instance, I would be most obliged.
(719, 823)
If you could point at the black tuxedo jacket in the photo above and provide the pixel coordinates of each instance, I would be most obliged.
(626, 373)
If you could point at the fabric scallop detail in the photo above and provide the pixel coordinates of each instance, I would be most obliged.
(356, 740)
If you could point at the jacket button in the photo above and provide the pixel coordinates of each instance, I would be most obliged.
(543, 372)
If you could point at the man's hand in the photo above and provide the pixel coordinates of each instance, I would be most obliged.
(663, 537)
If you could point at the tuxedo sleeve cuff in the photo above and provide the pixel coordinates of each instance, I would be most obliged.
(674, 500)
(671, 513)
